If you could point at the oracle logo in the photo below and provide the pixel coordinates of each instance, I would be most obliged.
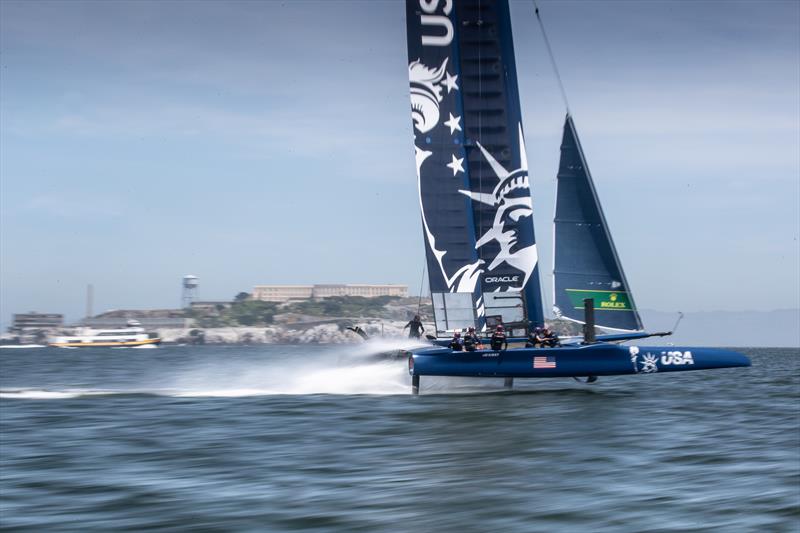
(501, 279)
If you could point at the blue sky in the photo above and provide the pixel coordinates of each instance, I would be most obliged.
(271, 142)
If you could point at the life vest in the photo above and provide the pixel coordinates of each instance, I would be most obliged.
(497, 341)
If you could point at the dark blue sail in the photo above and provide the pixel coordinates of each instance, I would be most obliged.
(472, 168)
(586, 262)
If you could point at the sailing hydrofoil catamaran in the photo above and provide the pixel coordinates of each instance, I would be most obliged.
(477, 215)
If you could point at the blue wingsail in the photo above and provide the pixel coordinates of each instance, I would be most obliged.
(586, 261)
(472, 169)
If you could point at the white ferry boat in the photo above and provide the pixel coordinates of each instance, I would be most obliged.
(131, 335)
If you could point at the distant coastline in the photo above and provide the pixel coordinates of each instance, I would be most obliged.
(780, 328)
(244, 322)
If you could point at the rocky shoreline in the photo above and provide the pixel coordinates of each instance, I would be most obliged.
(330, 333)
(300, 330)
(313, 332)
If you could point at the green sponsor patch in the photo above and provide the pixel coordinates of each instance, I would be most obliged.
(603, 300)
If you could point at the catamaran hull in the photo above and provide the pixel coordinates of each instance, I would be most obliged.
(570, 361)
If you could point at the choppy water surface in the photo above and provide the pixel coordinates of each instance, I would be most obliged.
(325, 439)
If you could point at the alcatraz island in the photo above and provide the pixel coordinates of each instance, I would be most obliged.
(269, 314)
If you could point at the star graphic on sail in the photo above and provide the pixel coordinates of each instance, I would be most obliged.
(426, 93)
(511, 198)
(450, 82)
(454, 123)
(456, 164)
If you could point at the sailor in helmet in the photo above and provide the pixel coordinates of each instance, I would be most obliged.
(457, 345)
(535, 337)
(471, 340)
(551, 340)
(498, 340)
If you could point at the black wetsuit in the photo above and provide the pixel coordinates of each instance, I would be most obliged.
(540, 340)
(531, 342)
(498, 341)
(551, 341)
(471, 342)
(456, 345)
(416, 329)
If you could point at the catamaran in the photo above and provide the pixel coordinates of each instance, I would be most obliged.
(477, 217)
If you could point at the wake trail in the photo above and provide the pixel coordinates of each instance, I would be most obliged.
(373, 367)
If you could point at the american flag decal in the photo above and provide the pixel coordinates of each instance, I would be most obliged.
(544, 362)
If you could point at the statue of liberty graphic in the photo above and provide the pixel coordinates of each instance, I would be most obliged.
(503, 246)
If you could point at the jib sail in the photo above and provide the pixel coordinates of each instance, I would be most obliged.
(472, 169)
(586, 262)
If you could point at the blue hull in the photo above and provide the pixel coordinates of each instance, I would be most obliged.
(570, 361)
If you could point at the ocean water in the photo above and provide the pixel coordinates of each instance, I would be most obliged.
(313, 438)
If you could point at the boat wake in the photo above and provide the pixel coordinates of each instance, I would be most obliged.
(371, 368)
(22, 346)
(45, 394)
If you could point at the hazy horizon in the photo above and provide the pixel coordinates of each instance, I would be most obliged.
(265, 143)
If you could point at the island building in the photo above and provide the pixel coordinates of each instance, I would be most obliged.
(32, 328)
(22, 322)
(287, 293)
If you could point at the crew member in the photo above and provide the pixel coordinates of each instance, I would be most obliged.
(498, 340)
(550, 340)
(471, 340)
(415, 328)
(535, 338)
(457, 345)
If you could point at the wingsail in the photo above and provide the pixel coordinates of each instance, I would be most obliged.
(586, 261)
(472, 170)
